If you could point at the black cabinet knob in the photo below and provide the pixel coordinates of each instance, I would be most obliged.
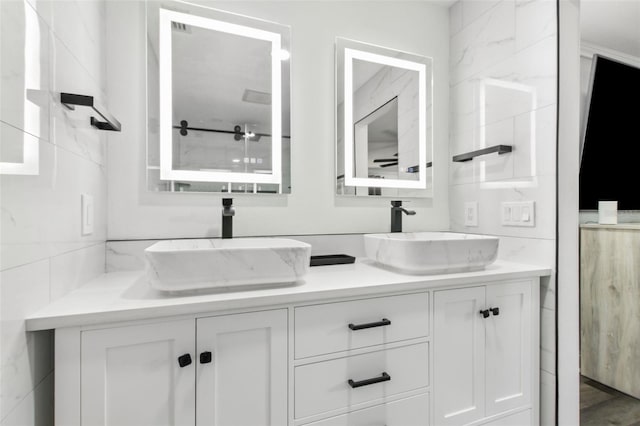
(484, 313)
(184, 360)
(495, 311)
(205, 357)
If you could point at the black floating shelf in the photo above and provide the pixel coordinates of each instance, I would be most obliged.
(500, 149)
(331, 259)
(71, 100)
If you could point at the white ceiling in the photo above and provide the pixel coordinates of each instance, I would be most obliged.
(614, 24)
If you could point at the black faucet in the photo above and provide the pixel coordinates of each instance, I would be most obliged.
(227, 217)
(396, 215)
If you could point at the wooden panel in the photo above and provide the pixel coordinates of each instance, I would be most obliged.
(323, 386)
(245, 384)
(412, 411)
(610, 307)
(131, 376)
(322, 329)
(459, 356)
(508, 347)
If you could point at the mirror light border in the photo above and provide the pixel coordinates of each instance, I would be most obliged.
(349, 177)
(166, 101)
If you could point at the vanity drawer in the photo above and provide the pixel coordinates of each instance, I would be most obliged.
(324, 386)
(412, 411)
(323, 329)
(523, 418)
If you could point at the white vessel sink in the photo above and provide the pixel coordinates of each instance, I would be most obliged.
(431, 252)
(176, 265)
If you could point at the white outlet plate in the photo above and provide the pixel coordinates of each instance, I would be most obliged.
(86, 202)
(518, 213)
(471, 213)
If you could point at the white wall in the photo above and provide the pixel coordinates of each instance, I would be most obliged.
(47, 47)
(312, 208)
(568, 167)
(508, 49)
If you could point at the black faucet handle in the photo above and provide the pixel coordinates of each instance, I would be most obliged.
(227, 202)
(396, 203)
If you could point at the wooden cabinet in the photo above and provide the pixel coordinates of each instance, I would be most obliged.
(168, 373)
(610, 305)
(483, 351)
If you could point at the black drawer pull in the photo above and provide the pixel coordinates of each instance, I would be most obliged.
(485, 313)
(495, 311)
(184, 360)
(370, 324)
(383, 378)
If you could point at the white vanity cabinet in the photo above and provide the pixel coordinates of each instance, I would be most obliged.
(439, 353)
(484, 338)
(218, 370)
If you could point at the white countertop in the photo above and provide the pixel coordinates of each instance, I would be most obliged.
(616, 226)
(127, 296)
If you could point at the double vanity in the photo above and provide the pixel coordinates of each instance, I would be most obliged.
(372, 342)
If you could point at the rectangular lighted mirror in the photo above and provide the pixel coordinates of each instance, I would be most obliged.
(220, 119)
(384, 121)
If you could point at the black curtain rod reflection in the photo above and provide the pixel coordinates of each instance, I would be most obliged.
(184, 128)
(412, 169)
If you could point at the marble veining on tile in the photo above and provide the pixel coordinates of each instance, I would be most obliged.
(26, 358)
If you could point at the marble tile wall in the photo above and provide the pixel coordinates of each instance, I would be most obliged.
(46, 48)
(503, 91)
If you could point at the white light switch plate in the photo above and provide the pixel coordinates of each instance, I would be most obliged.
(86, 201)
(471, 213)
(518, 213)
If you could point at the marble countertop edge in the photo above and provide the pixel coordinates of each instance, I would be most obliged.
(126, 296)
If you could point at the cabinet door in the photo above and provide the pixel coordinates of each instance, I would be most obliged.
(459, 350)
(508, 340)
(131, 375)
(245, 383)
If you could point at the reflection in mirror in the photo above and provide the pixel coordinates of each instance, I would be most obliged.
(383, 121)
(376, 140)
(218, 101)
(498, 125)
(25, 95)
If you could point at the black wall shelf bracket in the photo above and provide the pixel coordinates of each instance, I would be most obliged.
(500, 149)
(70, 101)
